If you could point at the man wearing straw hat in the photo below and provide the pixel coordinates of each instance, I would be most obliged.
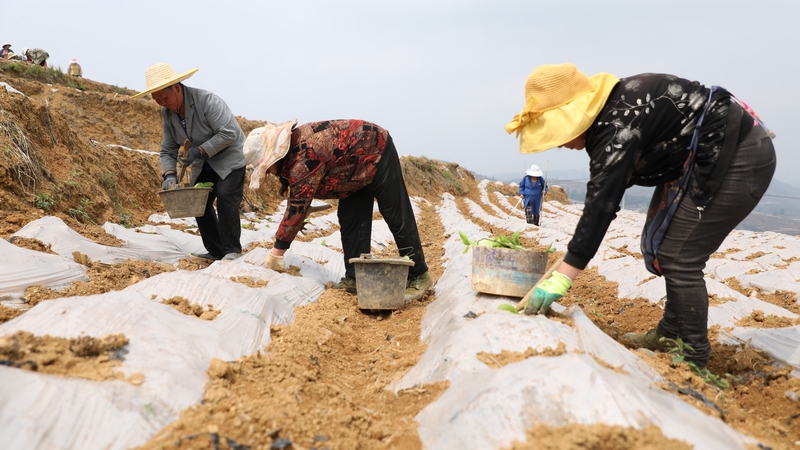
(709, 158)
(216, 154)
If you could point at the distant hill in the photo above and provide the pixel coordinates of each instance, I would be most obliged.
(778, 210)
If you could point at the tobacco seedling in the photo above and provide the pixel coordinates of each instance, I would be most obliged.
(507, 307)
(678, 353)
(501, 241)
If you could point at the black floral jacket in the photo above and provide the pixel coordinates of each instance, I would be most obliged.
(641, 137)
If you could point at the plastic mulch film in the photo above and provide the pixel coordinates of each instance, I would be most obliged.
(64, 241)
(494, 407)
(21, 267)
(172, 350)
(783, 344)
(596, 380)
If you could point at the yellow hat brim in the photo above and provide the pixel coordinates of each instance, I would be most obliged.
(557, 126)
(167, 83)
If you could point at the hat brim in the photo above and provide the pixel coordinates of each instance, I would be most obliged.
(557, 126)
(167, 83)
(536, 173)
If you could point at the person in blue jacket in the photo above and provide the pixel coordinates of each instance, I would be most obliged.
(532, 188)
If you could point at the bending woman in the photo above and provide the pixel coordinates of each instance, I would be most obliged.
(356, 162)
(709, 157)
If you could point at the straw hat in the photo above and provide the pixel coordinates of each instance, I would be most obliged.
(161, 75)
(6, 45)
(561, 103)
(534, 171)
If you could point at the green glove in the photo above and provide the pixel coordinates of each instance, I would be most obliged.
(549, 291)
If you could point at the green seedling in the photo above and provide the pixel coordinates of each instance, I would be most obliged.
(206, 184)
(678, 352)
(507, 307)
(550, 249)
(467, 241)
(323, 243)
(501, 241)
(245, 225)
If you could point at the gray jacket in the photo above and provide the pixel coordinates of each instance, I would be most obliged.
(209, 124)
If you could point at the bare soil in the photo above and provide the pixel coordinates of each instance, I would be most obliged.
(321, 381)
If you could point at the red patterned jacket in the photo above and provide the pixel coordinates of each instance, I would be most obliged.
(329, 159)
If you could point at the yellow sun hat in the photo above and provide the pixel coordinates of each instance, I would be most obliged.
(561, 103)
(161, 75)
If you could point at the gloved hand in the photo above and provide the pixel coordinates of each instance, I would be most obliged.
(169, 181)
(549, 291)
(276, 263)
(194, 153)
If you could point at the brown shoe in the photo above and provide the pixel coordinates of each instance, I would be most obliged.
(652, 340)
(417, 286)
(348, 284)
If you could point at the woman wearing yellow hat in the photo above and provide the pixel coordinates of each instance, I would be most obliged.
(709, 158)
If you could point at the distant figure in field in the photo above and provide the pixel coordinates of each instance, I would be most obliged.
(532, 188)
(36, 56)
(74, 69)
(6, 52)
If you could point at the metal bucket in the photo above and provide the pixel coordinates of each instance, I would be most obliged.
(381, 283)
(185, 202)
(505, 271)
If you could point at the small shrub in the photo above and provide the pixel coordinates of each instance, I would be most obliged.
(44, 201)
(16, 67)
(36, 71)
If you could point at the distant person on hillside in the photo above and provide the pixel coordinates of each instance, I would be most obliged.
(709, 158)
(356, 162)
(6, 52)
(36, 56)
(215, 155)
(532, 188)
(74, 69)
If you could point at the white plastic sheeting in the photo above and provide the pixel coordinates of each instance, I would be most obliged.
(482, 408)
(783, 344)
(23, 268)
(64, 240)
(764, 261)
(493, 408)
(172, 350)
(490, 408)
(52, 412)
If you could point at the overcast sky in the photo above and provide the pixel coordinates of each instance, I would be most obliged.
(442, 76)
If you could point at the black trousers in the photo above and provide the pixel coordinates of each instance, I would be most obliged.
(355, 215)
(692, 237)
(221, 229)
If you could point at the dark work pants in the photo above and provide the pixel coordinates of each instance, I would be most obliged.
(355, 215)
(221, 229)
(693, 236)
(531, 216)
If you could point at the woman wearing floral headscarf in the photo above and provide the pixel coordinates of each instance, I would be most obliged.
(709, 159)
